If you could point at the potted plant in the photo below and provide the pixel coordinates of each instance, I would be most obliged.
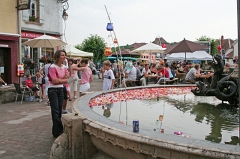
(33, 19)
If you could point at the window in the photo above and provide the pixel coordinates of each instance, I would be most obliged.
(33, 10)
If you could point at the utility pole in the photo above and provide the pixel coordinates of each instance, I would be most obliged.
(238, 24)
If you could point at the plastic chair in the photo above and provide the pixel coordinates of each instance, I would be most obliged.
(21, 91)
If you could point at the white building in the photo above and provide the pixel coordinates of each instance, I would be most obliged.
(232, 52)
(43, 17)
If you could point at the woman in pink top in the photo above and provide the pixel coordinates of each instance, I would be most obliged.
(86, 76)
(58, 75)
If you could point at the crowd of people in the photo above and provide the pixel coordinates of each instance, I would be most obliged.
(55, 78)
(161, 72)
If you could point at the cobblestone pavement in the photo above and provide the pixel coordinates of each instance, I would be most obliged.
(25, 130)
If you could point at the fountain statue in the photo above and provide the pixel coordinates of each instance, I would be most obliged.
(223, 86)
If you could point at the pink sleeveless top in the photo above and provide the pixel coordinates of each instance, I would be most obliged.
(85, 77)
(74, 73)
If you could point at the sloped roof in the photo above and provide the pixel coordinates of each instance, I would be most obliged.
(229, 55)
(226, 44)
(136, 45)
(159, 41)
(126, 52)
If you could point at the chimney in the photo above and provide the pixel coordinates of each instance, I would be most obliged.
(229, 44)
(222, 41)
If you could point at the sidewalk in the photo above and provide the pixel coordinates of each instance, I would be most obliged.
(25, 130)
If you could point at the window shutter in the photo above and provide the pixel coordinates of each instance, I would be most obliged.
(41, 13)
(25, 15)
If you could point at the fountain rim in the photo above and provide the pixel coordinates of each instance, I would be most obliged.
(168, 141)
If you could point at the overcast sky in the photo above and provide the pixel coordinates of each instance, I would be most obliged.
(143, 20)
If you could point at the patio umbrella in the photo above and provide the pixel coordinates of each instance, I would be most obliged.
(44, 41)
(74, 52)
(150, 48)
(197, 55)
(185, 46)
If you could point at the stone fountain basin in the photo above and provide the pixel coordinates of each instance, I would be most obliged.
(118, 140)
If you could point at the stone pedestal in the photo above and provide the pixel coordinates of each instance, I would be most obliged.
(74, 143)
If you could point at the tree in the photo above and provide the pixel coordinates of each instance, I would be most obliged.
(117, 48)
(94, 44)
(213, 43)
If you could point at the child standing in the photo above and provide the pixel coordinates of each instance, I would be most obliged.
(39, 79)
(108, 76)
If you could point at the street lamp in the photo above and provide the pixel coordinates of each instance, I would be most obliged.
(64, 15)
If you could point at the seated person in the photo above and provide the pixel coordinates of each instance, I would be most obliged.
(154, 68)
(115, 70)
(174, 66)
(226, 68)
(130, 74)
(29, 84)
(169, 71)
(194, 73)
(163, 74)
(139, 76)
(145, 72)
(2, 81)
(180, 69)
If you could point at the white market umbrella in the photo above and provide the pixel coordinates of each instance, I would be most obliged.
(197, 55)
(150, 48)
(74, 52)
(44, 41)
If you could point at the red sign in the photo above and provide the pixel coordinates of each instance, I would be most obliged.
(32, 35)
(20, 69)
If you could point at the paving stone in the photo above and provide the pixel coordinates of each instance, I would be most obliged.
(32, 138)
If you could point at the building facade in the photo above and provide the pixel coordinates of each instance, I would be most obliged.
(43, 17)
(9, 38)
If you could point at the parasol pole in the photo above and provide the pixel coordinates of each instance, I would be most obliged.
(238, 16)
(120, 54)
(185, 57)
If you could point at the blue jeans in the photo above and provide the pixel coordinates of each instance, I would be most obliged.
(55, 96)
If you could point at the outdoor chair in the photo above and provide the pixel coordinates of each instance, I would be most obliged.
(180, 76)
(29, 89)
(22, 91)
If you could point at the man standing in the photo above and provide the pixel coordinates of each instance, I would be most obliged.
(27, 64)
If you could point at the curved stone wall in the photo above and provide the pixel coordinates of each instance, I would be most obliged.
(89, 132)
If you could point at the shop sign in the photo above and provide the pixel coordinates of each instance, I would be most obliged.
(30, 35)
(23, 4)
(3, 45)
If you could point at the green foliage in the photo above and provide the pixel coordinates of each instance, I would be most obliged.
(117, 48)
(214, 43)
(94, 44)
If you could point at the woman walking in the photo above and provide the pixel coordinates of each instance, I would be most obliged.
(58, 75)
(73, 76)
